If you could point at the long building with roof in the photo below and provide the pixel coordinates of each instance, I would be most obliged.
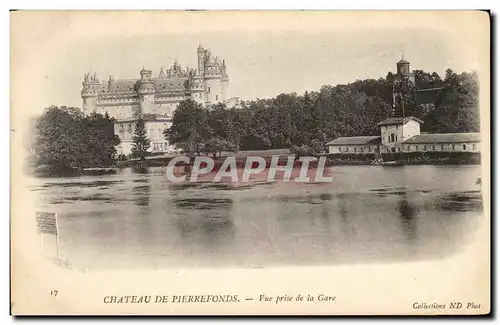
(402, 134)
(155, 96)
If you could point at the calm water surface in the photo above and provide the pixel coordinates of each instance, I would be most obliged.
(368, 214)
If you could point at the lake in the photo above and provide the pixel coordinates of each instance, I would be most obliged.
(368, 214)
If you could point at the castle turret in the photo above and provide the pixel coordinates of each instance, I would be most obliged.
(403, 66)
(146, 91)
(161, 75)
(215, 79)
(201, 60)
(224, 80)
(89, 93)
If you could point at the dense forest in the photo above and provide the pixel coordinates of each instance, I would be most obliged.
(307, 122)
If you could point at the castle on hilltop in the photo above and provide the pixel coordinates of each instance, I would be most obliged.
(156, 98)
(159, 95)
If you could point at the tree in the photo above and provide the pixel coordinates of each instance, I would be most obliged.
(457, 106)
(189, 128)
(306, 122)
(215, 145)
(405, 91)
(58, 140)
(141, 142)
(100, 140)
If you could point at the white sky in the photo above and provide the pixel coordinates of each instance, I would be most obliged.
(267, 53)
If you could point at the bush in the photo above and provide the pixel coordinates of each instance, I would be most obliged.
(303, 151)
(436, 158)
(121, 157)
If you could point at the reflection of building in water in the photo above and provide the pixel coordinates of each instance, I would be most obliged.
(207, 220)
(408, 218)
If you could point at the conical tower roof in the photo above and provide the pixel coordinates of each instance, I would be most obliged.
(403, 60)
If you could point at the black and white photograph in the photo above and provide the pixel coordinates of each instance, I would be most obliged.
(232, 141)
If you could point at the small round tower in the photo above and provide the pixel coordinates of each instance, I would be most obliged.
(403, 66)
(146, 85)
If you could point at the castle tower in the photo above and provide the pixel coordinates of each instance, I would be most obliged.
(215, 78)
(201, 60)
(89, 93)
(224, 81)
(403, 87)
(146, 92)
(403, 66)
(196, 87)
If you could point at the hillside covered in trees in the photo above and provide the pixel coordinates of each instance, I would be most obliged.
(307, 122)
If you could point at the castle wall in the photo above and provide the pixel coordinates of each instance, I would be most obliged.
(119, 111)
(159, 95)
(213, 91)
(154, 129)
(89, 105)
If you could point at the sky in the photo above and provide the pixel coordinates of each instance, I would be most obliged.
(266, 53)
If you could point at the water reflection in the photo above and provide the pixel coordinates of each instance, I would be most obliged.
(459, 201)
(408, 217)
(142, 194)
(207, 220)
(342, 209)
(137, 217)
(140, 170)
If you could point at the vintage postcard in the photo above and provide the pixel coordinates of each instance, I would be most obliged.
(250, 163)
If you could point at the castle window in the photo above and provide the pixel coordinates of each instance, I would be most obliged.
(355, 149)
(474, 146)
(452, 147)
(209, 89)
(392, 138)
(425, 148)
(442, 147)
(369, 149)
(433, 148)
(465, 147)
(216, 97)
(416, 147)
(340, 149)
(408, 148)
(362, 149)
